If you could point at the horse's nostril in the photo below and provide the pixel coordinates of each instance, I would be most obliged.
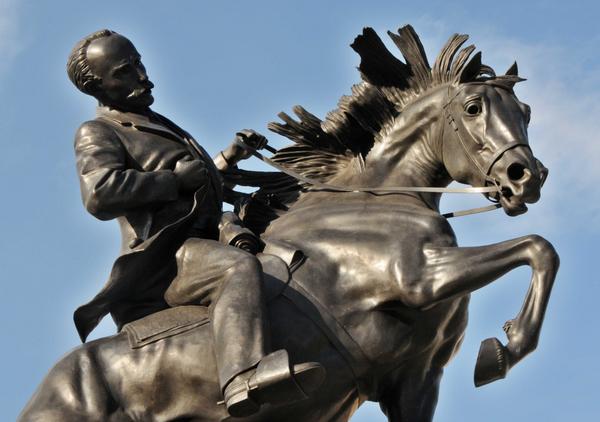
(516, 171)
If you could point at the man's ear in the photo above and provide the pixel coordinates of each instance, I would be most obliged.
(93, 86)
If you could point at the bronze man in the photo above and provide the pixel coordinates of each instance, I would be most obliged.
(166, 193)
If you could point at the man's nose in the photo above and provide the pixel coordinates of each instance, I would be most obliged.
(143, 79)
(142, 76)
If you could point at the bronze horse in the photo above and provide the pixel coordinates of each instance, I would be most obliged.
(379, 288)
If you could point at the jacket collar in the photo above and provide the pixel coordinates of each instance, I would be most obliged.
(138, 121)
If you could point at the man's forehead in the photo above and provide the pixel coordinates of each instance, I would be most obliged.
(111, 49)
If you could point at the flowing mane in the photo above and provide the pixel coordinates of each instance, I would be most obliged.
(323, 148)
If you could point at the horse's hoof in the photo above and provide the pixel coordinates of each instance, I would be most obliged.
(492, 362)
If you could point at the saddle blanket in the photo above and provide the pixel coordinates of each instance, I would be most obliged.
(163, 324)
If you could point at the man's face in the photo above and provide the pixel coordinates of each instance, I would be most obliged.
(123, 80)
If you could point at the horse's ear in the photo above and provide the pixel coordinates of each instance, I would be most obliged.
(513, 70)
(471, 69)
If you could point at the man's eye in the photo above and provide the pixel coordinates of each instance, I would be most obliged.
(122, 70)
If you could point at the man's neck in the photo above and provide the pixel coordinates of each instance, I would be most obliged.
(145, 111)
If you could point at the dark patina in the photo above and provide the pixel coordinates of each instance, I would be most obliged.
(369, 282)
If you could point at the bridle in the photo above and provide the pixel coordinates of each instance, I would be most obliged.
(483, 167)
(486, 166)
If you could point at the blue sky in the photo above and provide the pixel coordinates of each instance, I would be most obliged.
(220, 66)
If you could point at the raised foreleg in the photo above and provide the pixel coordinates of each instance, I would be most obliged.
(450, 272)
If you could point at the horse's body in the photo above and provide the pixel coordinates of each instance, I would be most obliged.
(357, 295)
(381, 299)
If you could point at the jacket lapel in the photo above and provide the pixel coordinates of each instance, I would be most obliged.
(141, 123)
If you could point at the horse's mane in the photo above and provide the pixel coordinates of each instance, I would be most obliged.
(324, 148)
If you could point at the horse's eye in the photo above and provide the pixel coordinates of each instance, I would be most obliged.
(473, 108)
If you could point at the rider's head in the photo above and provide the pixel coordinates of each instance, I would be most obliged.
(107, 66)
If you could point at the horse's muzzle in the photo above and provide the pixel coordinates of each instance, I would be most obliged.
(520, 176)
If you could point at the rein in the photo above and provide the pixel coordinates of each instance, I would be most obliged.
(388, 190)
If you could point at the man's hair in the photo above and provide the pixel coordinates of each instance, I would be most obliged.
(78, 67)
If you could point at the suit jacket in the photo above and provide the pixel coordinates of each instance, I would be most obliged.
(125, 163)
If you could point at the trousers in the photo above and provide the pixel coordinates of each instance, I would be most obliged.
(228, 281)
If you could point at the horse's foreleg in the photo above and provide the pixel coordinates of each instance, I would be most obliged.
(451, 272)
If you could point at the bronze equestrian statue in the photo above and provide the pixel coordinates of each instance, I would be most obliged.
(361, 272)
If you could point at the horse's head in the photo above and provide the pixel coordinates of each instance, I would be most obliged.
(485, 141)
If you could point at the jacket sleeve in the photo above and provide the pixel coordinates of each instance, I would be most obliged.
(108, 188)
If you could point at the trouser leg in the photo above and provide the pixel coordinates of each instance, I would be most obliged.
(229, 281)
(239, 321)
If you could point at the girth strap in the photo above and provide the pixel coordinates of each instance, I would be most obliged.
(350, 351)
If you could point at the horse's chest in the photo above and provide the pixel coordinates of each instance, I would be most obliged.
(358, 258)
(373, 248)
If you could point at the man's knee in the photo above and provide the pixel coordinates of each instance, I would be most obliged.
(246, 265)
(196, 284)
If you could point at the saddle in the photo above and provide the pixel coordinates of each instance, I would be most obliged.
(174, 321)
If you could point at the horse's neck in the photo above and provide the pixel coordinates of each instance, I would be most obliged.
(408, 155)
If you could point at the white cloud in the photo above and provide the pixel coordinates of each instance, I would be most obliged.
(10, 39)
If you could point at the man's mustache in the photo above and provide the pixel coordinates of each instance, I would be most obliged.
(141, 91)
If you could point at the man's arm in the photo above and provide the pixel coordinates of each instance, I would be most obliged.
(234, 153)
(108, 188)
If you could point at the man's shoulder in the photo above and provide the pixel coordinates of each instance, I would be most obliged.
(96, 131)
(96, 128)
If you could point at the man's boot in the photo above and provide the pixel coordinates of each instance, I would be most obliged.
(273, 381)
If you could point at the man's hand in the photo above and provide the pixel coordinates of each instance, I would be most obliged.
(191, 174)
(236, 153)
